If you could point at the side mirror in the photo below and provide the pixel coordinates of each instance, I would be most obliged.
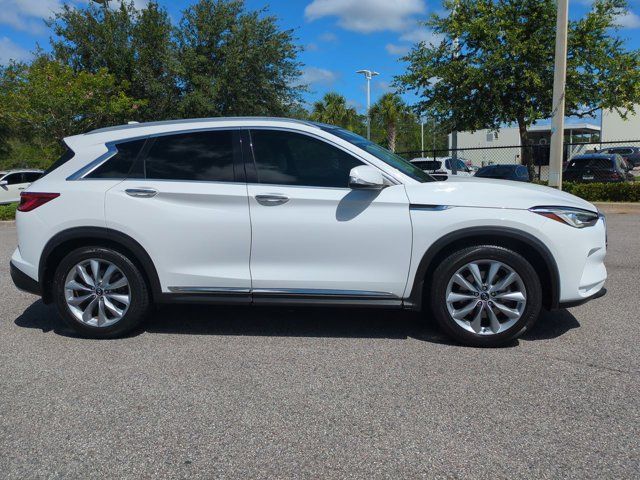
(366, 177)
(3, 183)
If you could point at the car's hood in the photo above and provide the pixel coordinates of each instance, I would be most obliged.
(487, 192)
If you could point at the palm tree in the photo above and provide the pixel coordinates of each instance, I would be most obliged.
(388, 111)
(333, 109)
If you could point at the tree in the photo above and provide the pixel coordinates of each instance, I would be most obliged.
(133, 45)
(333, 109)
(389, 111)
(235, 62)
(48, 101)
(494, 65)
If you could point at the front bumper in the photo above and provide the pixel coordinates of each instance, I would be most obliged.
(601, 293)
(23, 281)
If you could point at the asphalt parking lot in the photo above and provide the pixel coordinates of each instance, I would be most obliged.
(209, 392)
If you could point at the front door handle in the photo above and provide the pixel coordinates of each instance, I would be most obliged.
(141, 192)
(271, 199)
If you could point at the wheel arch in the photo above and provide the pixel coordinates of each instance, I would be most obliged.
(524, 243)
(67, 240)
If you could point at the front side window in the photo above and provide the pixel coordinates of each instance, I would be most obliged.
(14, 179)
(196, 156)
(287, 158)
(391, 159)
(119, 165)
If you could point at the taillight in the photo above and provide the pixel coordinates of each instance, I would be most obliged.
(32, 200)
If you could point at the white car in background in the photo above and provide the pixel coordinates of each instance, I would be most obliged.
(442, 166)
(269, 211)
(15, 181)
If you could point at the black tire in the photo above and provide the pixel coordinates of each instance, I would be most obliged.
(450, 265)
(139, 291)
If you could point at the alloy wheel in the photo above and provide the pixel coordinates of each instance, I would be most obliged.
(97, 292)
(486, 297)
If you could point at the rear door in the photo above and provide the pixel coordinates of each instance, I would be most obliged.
(186, 204)
(312, 235)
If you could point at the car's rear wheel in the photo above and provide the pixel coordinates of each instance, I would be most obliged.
(485, 295)
(100, 292)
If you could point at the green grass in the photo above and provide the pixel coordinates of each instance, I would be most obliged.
(8, 212)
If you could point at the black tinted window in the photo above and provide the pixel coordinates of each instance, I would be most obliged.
(121, 163)
(590, 162)
(13, 179)
(30, 177)
(202, 156)
(287, 158)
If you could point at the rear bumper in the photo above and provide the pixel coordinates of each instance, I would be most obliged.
(601, 293)
(23, 281)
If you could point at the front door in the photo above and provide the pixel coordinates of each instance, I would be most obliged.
(11, 191)
(185, 205)
(312, 234)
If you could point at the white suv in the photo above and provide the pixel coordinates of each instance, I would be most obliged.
(13, 182)
(277, 211)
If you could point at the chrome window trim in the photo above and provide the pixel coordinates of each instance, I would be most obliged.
(112, 150)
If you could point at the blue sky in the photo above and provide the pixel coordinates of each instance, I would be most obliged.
(339, 36)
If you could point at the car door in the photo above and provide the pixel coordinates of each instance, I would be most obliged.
(10, 192)
(186, 205)
(311, 234)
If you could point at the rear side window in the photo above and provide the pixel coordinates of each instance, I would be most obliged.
(64, 158)
(30, 177)
(197, 156)
(119, 166)
(287, 158)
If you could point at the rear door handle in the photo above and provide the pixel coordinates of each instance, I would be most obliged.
(271, 199)
(141, 192)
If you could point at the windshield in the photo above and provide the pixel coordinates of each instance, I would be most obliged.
(380, 153)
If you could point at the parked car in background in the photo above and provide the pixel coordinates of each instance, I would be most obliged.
(519, 173)
(597, 167)
(271, 211)
(630, 154)
(442, 166)
(15, 181)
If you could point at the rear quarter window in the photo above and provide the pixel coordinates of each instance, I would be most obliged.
(120, 165)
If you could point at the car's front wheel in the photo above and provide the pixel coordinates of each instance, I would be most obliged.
(100, 292)
(485, 295)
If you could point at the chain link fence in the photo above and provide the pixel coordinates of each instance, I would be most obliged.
(583, 162)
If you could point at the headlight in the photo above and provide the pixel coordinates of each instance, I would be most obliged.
(575, 217)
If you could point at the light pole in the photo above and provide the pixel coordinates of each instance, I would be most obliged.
(559, 88)
(368, 74)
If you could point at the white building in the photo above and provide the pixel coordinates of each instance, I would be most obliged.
(616, 129)
(485, 147)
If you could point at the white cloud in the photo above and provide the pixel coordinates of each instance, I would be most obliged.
(399, 50)
(328, 37)
(366, 16)
(384, 86)
(10, 51)
(418, 35)
(28, 15)
(628, 20)
(318, 76)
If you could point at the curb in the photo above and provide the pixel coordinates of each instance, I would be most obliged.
(619, 207)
